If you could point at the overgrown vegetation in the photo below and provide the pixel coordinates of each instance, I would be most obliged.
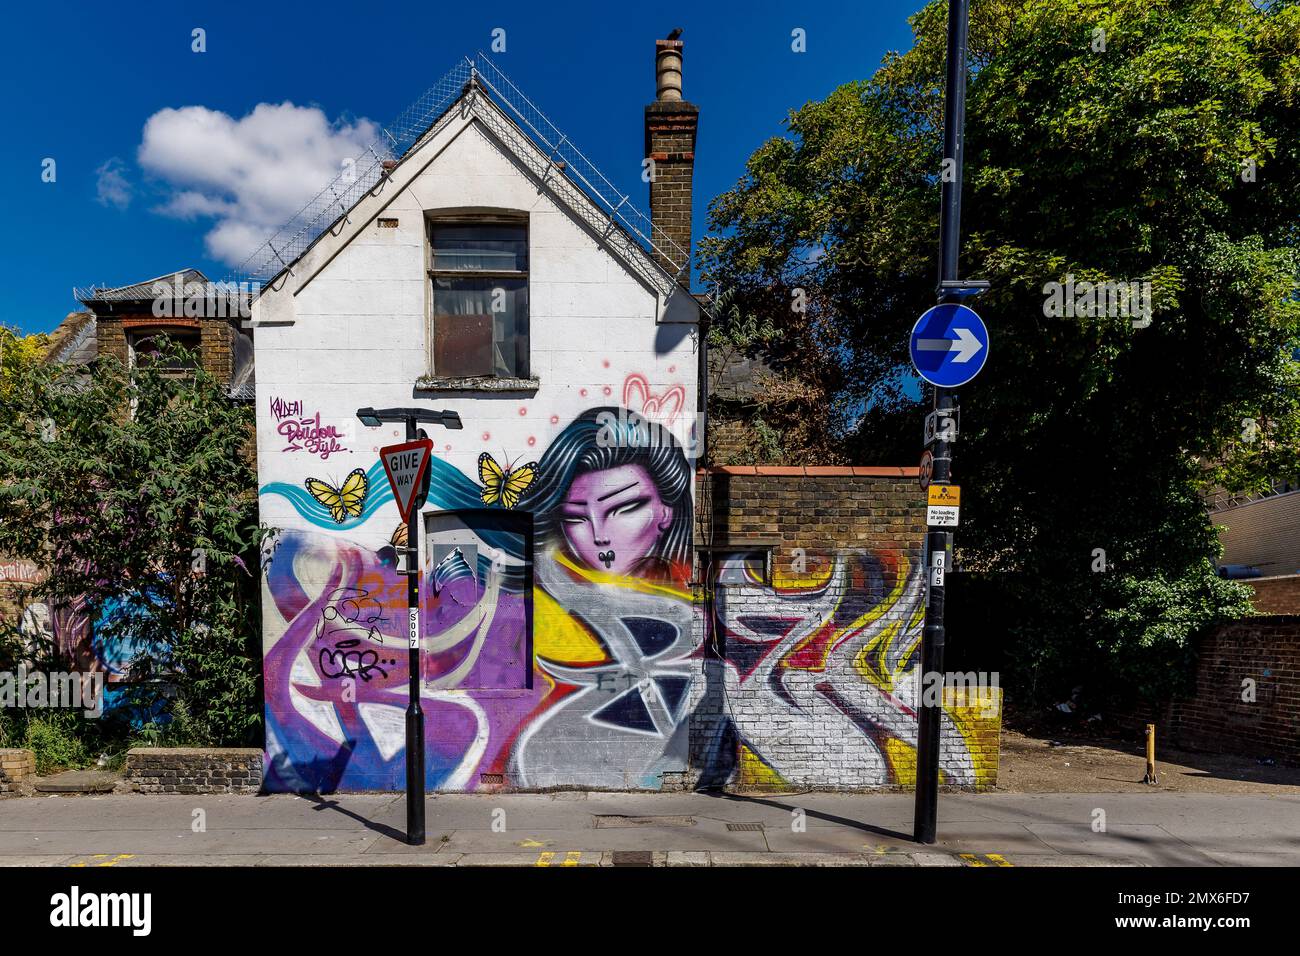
(136, 490)
(1109, 141)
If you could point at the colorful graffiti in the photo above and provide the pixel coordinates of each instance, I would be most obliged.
(555, 628)
(564, 643)
(828, 656)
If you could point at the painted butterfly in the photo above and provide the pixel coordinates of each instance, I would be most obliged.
(345, 501)
(504, 486)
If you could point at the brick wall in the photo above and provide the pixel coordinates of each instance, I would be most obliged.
(15, 767)
(1278, 595)
(1246, 697)
(216, 338)
(809, 675)
(194, 769)
(670, 128)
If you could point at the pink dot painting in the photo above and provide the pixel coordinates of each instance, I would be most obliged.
(608, 390)
(582, 392)
(605, 363)
(532, 440)
(487, 436)
(555, 419)
(522, 411)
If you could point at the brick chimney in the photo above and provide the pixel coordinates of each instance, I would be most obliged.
(670, 124)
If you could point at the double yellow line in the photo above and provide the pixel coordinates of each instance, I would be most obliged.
(571, 858)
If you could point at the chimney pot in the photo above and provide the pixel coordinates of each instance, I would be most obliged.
(668, 70)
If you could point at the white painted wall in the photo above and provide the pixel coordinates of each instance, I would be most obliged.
(350, 326)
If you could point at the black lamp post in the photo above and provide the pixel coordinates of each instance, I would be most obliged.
(372, 418)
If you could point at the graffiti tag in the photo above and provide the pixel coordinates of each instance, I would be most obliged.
(303, 432)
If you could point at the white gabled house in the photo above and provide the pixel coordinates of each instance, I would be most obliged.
(479, 275)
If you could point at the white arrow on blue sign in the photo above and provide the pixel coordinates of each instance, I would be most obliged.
(949, 345)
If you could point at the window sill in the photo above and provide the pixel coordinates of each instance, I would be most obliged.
(479, 383)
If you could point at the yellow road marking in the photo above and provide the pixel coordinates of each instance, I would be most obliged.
(998, 859)
(572, 857)
(530, 844)
(545, 859)
(972, 860)
(104, 856)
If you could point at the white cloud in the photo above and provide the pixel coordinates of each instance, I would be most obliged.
(111, 187)
(249, 174)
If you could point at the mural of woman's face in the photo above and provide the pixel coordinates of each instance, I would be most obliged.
(613, 518)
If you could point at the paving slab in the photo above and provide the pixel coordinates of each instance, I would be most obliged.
(78, 781)
(729, 858)
(638, 838)
(1141, 841)
(1148, 828)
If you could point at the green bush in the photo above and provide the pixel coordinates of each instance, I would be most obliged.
(55, 740)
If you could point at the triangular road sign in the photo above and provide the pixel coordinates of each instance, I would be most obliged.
(405, 465)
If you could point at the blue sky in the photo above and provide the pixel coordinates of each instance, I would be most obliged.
(83, 79)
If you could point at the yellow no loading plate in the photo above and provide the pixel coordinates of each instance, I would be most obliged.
(945, 495)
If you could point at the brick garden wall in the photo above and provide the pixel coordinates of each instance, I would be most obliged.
(809, 676)
(195, 770)
(1277, 595)
(15, 767)
(1224, 713)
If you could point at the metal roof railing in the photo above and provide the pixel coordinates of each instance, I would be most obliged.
(397, 138)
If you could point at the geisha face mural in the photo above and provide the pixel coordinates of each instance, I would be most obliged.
(614, 492)
(601, 699)
(614, 518)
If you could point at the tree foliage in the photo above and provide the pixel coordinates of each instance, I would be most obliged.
(136, 489)
(1154, 141)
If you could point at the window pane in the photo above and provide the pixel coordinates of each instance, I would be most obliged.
(144, 347)
(480, 327)
(495, 248)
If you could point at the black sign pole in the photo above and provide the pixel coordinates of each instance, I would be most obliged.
(925, 824)
(414, 715)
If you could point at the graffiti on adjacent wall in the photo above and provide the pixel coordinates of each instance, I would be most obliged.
(829, 656)
(20, 572)
(303, 432)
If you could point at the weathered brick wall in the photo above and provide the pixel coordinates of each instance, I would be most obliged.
(15, 767)
(216, 338)
(195, 770)
(810, 678)
(216, 346)
(670, 141)
(1277, 595)
(111, 337)
(1245, 698)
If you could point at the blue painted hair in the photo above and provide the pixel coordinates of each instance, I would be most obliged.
(611, 437)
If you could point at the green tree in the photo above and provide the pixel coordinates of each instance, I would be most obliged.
(136, 488)
(1153, 142)
(18, 352)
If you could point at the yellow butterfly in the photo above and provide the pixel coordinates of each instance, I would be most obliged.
(504, 486)
(345, 501)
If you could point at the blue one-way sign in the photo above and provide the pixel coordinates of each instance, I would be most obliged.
(949, 345)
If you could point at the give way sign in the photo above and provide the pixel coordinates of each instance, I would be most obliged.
(406, 464)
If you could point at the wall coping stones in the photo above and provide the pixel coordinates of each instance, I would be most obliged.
(816, 471)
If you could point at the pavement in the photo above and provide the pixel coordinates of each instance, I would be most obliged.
(651, 829)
